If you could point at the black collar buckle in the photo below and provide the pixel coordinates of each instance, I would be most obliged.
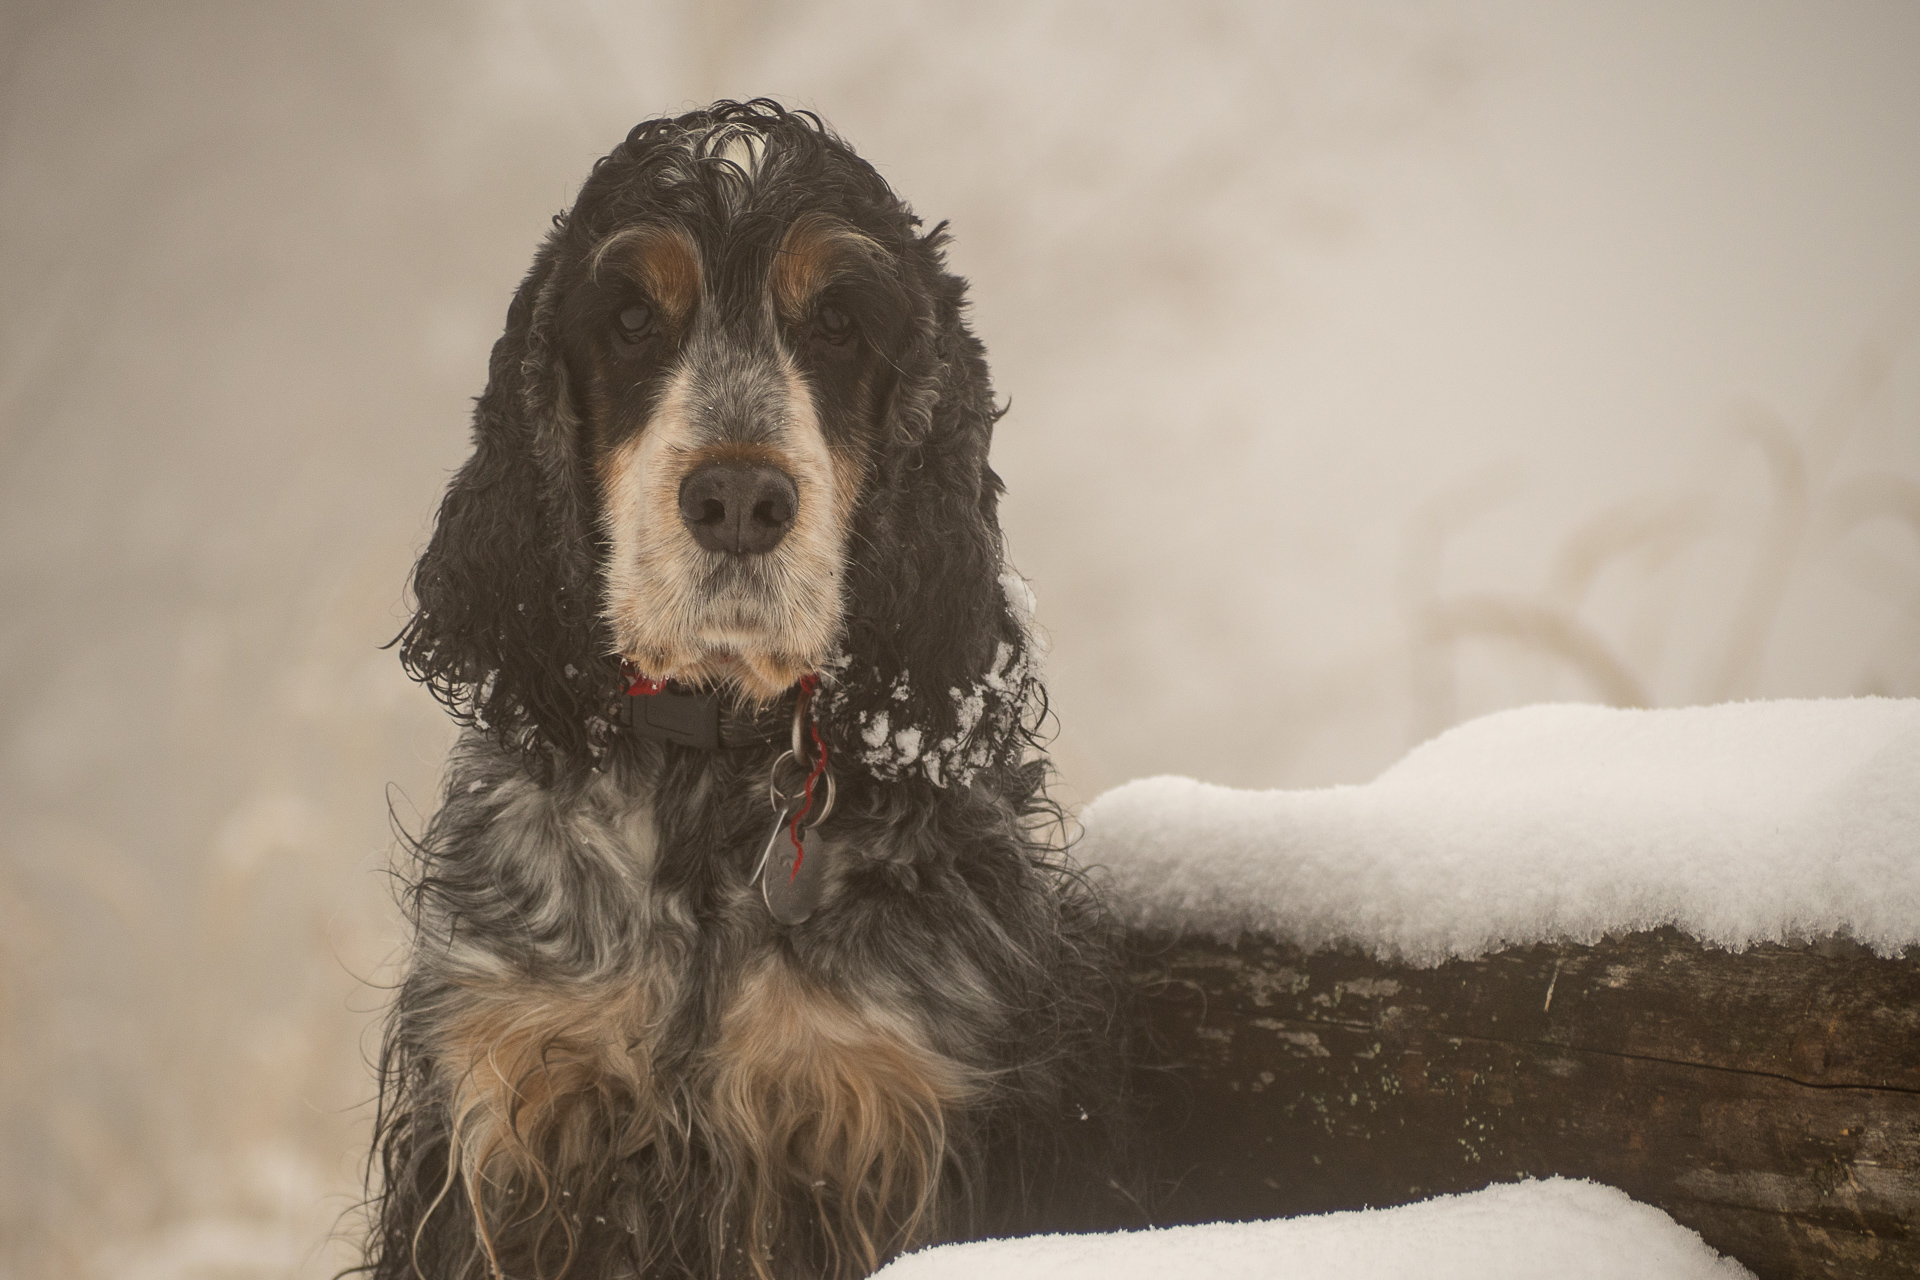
(689, 717)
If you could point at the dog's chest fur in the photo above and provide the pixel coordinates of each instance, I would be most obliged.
(603, 983)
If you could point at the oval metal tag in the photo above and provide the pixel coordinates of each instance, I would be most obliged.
(792, 893)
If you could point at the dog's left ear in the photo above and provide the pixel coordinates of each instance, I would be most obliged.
(935, 678)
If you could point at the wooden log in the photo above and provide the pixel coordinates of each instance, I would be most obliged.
(1768, 1099)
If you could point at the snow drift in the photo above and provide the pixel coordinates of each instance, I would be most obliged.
(1565, 1229)
(1738, 824)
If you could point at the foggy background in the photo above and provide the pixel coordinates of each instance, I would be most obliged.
(1372, 366)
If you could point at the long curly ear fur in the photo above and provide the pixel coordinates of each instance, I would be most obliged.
(506, 630)
(934, 679)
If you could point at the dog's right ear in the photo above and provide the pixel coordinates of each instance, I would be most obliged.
(506, 629)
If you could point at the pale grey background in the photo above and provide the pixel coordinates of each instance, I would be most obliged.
(1372, 366)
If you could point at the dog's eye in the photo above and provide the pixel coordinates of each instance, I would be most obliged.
(833, 324)
(635, 323)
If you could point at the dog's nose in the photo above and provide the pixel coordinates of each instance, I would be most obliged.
(738, 508)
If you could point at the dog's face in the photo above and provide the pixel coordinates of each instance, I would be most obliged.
(732, 400)
(736, 431)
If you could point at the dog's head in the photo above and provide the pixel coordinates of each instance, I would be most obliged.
(735, 432)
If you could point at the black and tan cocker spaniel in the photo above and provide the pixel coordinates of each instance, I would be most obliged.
(737, 950)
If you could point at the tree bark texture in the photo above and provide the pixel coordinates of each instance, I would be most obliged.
(1768, 1099)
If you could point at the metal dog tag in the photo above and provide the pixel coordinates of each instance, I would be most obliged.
(791, 893)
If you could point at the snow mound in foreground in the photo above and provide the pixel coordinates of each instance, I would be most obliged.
(1744, 823)
(1565, 1229)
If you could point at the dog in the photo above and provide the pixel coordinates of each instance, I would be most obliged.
(741, 947)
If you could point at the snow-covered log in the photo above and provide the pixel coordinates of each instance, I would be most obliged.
(1677, 952)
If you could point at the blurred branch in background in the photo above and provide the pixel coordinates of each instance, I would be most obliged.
(1805, 509)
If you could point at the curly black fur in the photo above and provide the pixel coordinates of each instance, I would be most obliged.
(568, 1064)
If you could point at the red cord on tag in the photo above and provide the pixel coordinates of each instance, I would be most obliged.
(807, 686)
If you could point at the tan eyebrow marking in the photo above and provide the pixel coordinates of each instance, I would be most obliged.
(816, 251)
(662, 259)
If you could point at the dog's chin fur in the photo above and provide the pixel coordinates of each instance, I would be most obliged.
(608, 1059)
(756, 676)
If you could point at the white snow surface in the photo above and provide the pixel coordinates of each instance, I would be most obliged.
(1520, 1231)
(1738, 824)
